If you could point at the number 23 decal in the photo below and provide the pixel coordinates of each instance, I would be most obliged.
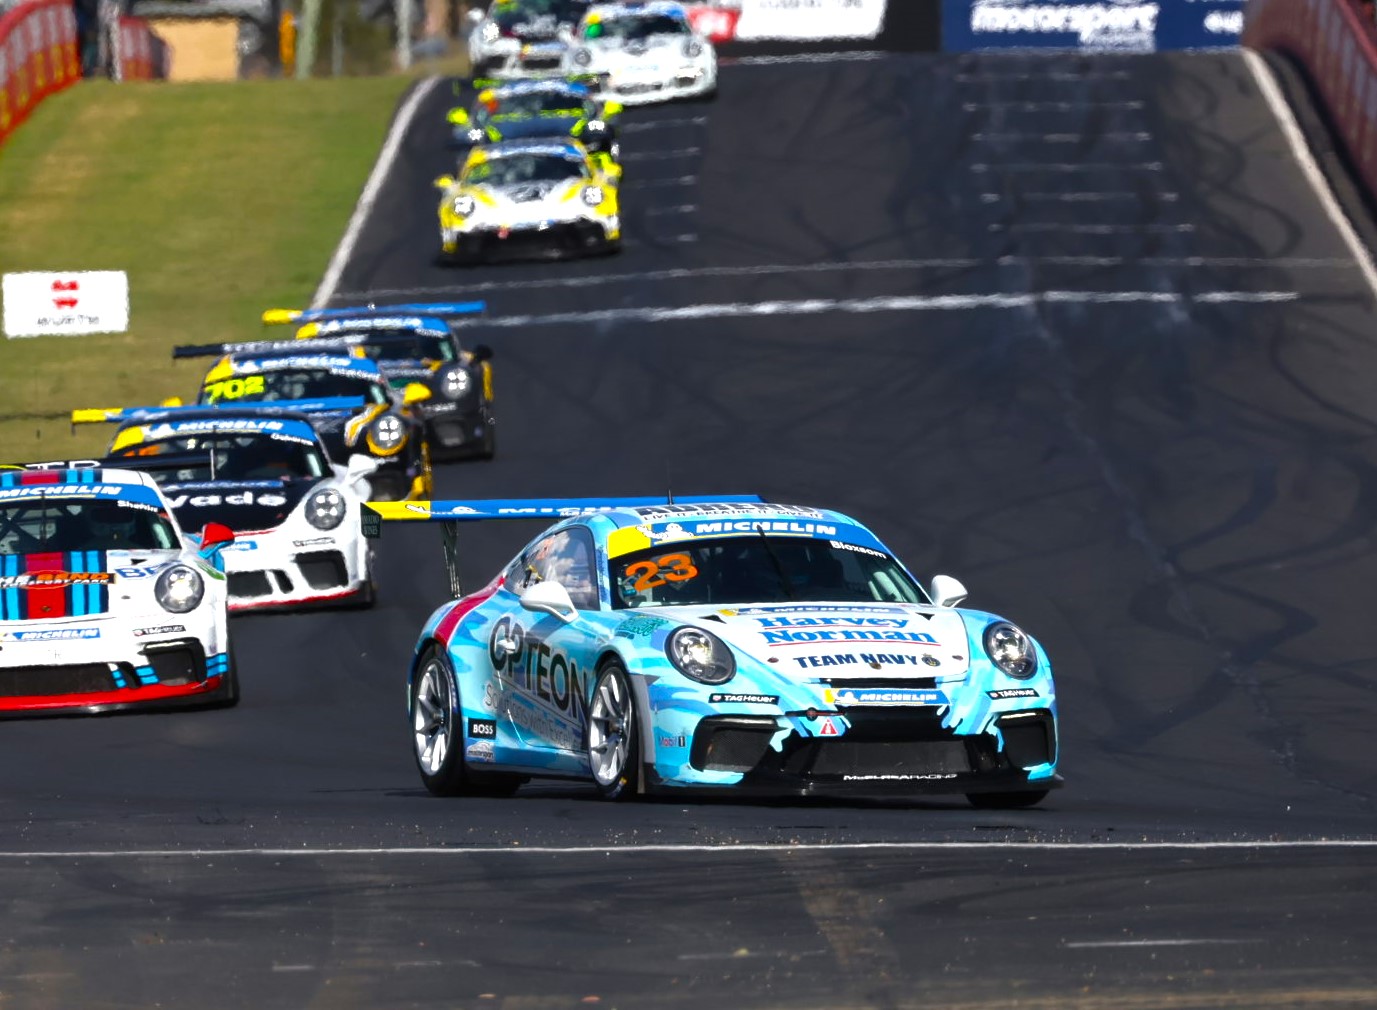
(667, 568)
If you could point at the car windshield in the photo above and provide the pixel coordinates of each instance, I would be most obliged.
(53, 525)
(235, 456)
(729, 571)
(516, 169)
(293, 384)
(630, 27)
(562, 11)
(408, 347)
(523, 105)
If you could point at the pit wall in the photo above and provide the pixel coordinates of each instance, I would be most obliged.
(1334, 42)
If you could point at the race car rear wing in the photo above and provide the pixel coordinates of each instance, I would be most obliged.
(118, 415)
(273, 317)
(55, 464)
(451, 513)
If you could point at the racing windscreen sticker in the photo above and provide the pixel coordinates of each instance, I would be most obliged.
(653, 573)
(47, 579)
(234, 389)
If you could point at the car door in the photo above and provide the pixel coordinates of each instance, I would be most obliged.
(545, 664)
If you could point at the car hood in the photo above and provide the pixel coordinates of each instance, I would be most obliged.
(652, 51)
(45, 587)
(537, 126)
(528, 192)
(840, 641)
(240, 505)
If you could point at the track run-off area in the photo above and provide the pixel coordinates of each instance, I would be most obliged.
(1087, 333)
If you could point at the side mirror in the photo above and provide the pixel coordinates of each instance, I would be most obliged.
(946, 591)
(414, 392)
(444, 182)
(172, 401)
(215, 537)
(549, 598)
(480, 352)
(459, 117)
(474, 15)
(610, 109)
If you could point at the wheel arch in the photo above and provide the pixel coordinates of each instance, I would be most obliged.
(642, 696)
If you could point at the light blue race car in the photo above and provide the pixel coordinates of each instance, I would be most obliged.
(657, 646)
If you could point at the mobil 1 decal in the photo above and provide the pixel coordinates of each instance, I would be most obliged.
(546, 691)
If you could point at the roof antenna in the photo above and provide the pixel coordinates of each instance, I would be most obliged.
(670, 495)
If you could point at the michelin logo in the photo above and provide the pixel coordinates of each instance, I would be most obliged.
(1092, 24)
(50, 635)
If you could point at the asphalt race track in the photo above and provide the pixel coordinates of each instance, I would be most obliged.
(1075, 330)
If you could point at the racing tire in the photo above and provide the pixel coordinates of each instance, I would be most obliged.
(438, 739)
(488, 449)
(1006, 801)
(612, 737)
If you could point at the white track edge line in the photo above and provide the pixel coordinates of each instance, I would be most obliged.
(386, 157)
(1286, 119)
(575, 850)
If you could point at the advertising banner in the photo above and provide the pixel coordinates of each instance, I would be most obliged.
(806, 20)
(37, 57)
(1091, 25)
(65, 304)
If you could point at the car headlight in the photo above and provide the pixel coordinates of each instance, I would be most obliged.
(592, 195)
(325, 509)
(700, 656)
(491, 33)
(583, 57)
(387, 433)
(693, 49)
(463, 205)
(1010, 650)
(179, 589)
(456, 383)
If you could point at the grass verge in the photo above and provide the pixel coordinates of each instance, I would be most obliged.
(217, 199)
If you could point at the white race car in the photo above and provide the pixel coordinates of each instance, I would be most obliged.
(265, 475)
(521, 38)
(643, 52)
(104, 604)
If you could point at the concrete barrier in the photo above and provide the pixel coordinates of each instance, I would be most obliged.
(1334, 42)
(38, 57)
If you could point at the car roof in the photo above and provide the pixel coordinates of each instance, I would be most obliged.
(649, 7)
(531, 87)
(93, 482)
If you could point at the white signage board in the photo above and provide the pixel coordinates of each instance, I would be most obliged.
(66, 304)
(805, 20)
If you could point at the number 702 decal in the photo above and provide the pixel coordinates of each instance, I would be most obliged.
(234, 389)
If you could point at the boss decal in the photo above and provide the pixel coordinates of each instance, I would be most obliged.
(485, 729)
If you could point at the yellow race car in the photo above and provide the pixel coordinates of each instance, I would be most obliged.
(550, 198)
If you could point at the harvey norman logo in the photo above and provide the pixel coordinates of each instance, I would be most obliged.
(1092, 23)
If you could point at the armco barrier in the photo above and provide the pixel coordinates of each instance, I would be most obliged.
(38, 56)
(1335, 44)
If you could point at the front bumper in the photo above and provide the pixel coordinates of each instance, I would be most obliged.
(857, 750)
(163, 670)
(285, 570)
(643, 90)
(534, 239)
